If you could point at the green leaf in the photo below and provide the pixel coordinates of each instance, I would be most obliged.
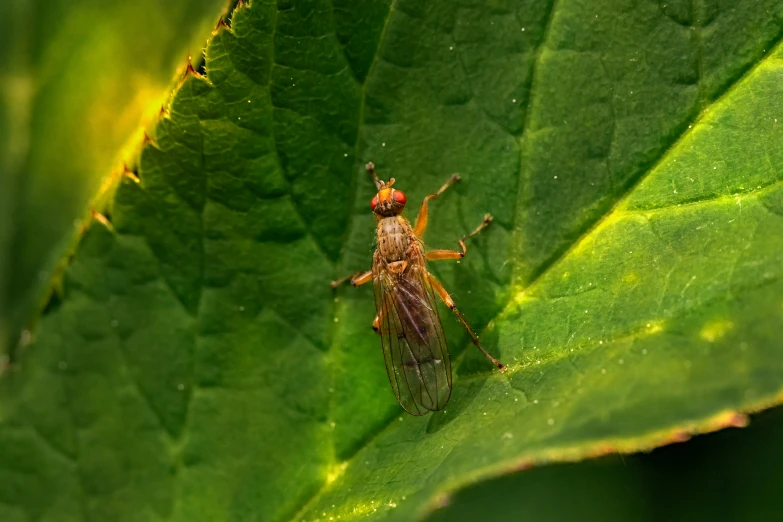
(78, 79)
(199, 367)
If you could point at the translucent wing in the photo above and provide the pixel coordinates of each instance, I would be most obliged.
(414, 347)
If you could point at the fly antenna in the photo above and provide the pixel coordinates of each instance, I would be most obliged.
(371, 169)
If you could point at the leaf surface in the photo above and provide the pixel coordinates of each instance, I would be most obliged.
(200, 367)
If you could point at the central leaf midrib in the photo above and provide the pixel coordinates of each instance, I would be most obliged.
(356, 167)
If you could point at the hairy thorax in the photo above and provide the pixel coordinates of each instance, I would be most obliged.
(394, 238)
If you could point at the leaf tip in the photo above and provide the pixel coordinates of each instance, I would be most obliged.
(102, 219)
(190, 70)
(128, 172)
(220, 23)
(147, 139)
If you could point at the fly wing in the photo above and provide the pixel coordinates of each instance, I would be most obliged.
(414, 347)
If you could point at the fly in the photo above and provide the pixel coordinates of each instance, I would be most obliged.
(414, 347)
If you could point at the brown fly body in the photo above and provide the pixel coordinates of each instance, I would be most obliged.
(407, 319)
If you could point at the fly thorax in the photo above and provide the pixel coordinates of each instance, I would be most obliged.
(393, 238)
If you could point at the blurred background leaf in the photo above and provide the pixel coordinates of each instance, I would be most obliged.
(78, 80)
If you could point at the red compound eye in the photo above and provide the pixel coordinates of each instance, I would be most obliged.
(374, 202)
(399, 197)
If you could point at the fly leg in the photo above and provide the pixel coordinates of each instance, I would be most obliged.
(421, 219)
(446, 298)
(359, 278)
(437, 255)
(376, 324)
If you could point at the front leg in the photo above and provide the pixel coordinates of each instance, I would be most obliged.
(357, 279)
(437, 255)
(421, 219)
